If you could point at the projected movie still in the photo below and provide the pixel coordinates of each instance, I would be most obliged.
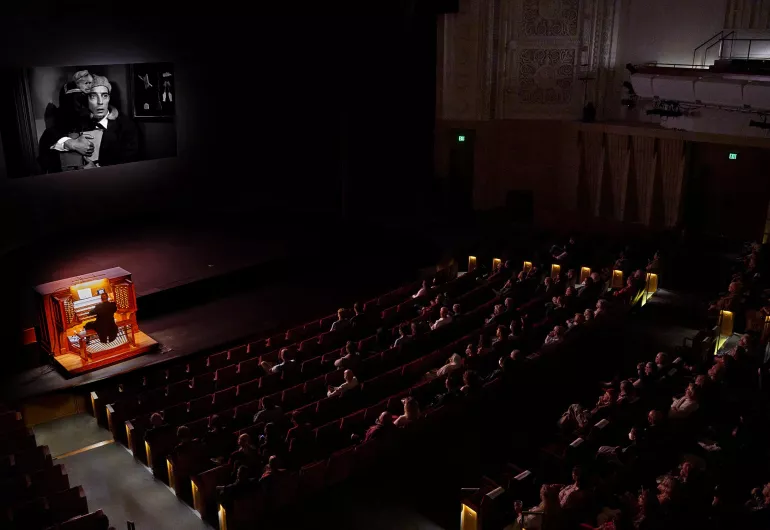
(86, 117)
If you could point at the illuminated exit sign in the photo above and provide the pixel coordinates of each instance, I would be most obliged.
(733, 156)
(460, 138)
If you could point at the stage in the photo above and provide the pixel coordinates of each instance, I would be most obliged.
(205, 287)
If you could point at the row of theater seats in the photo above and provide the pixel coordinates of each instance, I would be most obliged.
(35, 494)
(341, 463)
(380, 374)
(124, 399)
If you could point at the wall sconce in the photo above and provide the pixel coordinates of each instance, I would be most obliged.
(469, 520)
(527, 266)
(555, 270)
(652, 282)
(222, 518)
(496, 262)
(617, 279)
(471, 263)
(585, 272)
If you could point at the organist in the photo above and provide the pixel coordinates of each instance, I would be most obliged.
(104, 325)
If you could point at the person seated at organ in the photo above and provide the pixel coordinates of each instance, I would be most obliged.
(350, 382)
(411, 412)
(104, 325)
(444, 319)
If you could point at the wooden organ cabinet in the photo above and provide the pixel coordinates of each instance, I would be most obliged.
(64, 308)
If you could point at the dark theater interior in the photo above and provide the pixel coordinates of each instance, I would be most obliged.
(410, 265)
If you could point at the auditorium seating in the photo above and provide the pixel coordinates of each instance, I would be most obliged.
(35, 494)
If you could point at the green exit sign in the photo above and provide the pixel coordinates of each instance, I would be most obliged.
(733, 156)
(460, 138)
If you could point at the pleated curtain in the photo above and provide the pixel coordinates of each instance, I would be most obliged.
(672, 161)
(593, 164)
(644, 163)
(618, 162)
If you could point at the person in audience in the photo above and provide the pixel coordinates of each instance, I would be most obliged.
(270, 442)
(423, 290)
(403, 335)
(270, 412)
(590, 292)
(456, 311)
(627, 392)
(455, 362)
(578, 320)
(684, 407)
(246, 455)
(243, 483)
(546, 289)
(218, 440)
(451, 394)
(626, 294)
(341, 323)
(444, 318)
(471, 384)
(548, 515)
(185, 442)
(607, 401)
(505, 369)
(501, 343)
(383, 426)
(497, 311)
(349, 357)
(157, 425)
(349, 383)
(286, 363)
(662, 362)
(574, 496)
(382, 340)
(411, 412)
(416, 330)
(555, 337)
(730, 302)
(588, 316)
(359, 318)
(602, 308)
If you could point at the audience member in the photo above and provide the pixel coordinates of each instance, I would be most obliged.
(411, 412)
(445, 318)
(349, 383)
(341, 323)
(270, 412)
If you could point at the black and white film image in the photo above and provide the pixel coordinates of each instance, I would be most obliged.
(90, 116)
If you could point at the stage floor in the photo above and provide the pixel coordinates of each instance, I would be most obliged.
(256, 285)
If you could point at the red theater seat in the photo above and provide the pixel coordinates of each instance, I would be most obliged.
(239, 354)
(311, 478)
(249, 390)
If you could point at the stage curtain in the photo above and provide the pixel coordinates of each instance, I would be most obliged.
(644, 173)
(593, 164)
(618, 161)
(671, 153)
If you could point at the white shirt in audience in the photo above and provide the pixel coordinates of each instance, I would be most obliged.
(339, 390)
(442, 321)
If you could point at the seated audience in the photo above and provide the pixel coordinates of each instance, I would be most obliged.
(246, 455)
(423, 290)
(555, 337)
(359, 317)
(546, 515)
(471, 384)
(270, 442)
(341, 323)
(286, 363)
(218, 439)
(270, 412)
(243, 483)
(403, 335)
(383, 426)
(444, 319)
(349, 383)
(455, 362)
(450, 395)
(456, 311)
(411, 412)
(349, 357)
(684, 407)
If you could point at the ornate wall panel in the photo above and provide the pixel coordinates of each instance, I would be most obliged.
(618, 163)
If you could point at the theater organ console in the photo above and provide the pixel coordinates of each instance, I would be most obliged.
(64, 309)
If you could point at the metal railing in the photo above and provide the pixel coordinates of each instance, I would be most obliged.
(717, 38)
